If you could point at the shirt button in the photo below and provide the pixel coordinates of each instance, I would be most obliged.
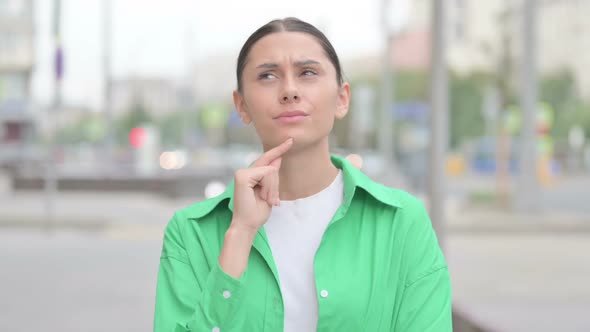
(227, 294)
(324, 293)
(216, 329)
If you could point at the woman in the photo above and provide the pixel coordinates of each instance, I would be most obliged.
(300, 240)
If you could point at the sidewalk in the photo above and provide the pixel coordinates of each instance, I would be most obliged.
(88, 210)
(462, 218)
(94, 210)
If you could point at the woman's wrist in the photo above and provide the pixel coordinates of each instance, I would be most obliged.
(240, 229)
(236, 249)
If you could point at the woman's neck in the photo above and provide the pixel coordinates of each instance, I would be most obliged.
(306, 172)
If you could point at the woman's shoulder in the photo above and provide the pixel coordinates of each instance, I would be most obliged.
(394, 196)
(190, 225)
(199, 211)
(410, 209)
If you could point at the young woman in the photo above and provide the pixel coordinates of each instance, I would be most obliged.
(301, 240)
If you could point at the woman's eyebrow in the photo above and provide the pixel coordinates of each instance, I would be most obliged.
(304, 63)
(268, 66)
(301, 63)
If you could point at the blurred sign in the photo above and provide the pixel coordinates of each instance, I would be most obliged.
(214, 116)
(512, 119)
(59, 63)
(147, 150)
(512, 123)
(576, 137)
(491, 104)
(415, 111)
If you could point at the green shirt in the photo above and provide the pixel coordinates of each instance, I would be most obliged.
(379, 259)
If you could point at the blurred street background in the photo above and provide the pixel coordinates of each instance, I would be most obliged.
(115, 114)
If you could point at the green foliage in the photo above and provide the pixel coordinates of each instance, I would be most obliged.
(411, 85)
(559, 91)
(574, 113)
(90, 128)
(173, 126)
(465, 98)
(465, 107)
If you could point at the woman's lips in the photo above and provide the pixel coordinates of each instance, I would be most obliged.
(291, 117)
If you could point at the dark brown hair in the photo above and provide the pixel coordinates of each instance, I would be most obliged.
(289, 24)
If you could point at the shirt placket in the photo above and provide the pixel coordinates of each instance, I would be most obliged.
(322, 287)
(274, 310)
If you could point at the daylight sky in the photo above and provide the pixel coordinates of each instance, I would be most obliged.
(160, 38)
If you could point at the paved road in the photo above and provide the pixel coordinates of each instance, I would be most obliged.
(567, 195)
(77, 282)
(523, 282)
(104, 280)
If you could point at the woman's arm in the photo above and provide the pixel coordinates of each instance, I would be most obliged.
(193, 298)
(426, 300)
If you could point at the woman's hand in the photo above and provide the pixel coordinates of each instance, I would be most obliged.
(257, 189)
(355, 160)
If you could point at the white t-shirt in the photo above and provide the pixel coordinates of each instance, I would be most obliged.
(295, 230)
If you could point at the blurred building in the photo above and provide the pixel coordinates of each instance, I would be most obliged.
(158, 96)
(214, 78)
(16, 65)
(563, 40)
(481, 33)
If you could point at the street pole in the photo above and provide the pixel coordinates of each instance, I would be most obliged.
(107, 86)
(386, 122)
(526, 194)
(51, 185)
(439, 118)
(187, 94)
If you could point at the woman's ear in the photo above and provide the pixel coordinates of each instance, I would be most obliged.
(241, 107)
(343, 100)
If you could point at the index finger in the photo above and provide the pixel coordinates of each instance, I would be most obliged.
(273, 153)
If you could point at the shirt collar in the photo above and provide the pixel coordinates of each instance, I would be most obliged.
(353, 179)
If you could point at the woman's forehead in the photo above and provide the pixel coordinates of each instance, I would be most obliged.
(293, 47)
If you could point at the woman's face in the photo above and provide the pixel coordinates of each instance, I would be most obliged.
(289, 89)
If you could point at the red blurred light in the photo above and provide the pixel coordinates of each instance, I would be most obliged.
(137, 137)
(543, 130)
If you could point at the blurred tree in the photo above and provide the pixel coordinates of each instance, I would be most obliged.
(411, 85)
(575, 113)
(466, 118)
(559, 91)
(172, 126)
(89, 128)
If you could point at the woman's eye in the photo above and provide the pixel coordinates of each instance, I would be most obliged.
(308, 72)
(266, 76)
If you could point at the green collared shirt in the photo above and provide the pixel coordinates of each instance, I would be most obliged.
(378, 268)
